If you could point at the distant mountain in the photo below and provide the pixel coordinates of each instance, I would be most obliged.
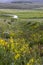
(26, 1)
(21, 2)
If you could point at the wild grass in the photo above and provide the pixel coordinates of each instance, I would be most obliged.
(24, 14)
(21, 41)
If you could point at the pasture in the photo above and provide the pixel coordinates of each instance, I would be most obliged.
(21, 40)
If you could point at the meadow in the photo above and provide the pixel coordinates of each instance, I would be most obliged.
(21, 40)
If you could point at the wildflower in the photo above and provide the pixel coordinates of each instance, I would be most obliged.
(16, 51)
(24, 48)
(2, 42)
(11, 40)
(17, 43)
(5, 43)
(31, 60)
(12, 45)
(17, 56)
(28, 64)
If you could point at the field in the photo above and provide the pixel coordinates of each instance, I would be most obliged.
(21, 40)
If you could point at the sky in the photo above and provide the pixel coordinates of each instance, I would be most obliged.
(3, 1)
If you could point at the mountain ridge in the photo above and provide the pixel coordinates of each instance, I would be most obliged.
(27, 1)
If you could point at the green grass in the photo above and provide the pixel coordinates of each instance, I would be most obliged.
(22, 33)
(24, 14)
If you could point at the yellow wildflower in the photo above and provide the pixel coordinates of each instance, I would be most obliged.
(12, 45)
(17, 56)
(5, 43)
(28, 64)
(11, 40)
(16, 43)
(2, 42)
(16, 51)
(31, 60)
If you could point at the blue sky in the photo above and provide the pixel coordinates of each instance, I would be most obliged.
(6, 1)
(18, 0)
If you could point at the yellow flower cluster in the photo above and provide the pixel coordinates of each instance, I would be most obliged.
(25, 48)
(19, 48)
(17, 56)
(11, 40)
(31, 61)
(3, 42)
